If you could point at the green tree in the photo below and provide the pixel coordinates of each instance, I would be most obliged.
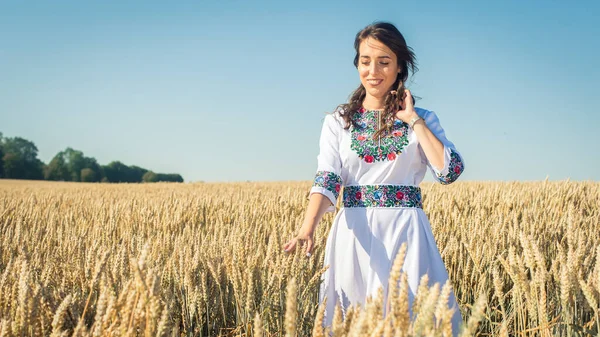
(75, 161)
(88, 175)
(20, 159)
(57, 169)
(69, 164)
(92, 164)
(117, 172)
(150, 177)
(170, 177)
(136, 174)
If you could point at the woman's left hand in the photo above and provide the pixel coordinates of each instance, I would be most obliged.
(305, 235)
(408, 112)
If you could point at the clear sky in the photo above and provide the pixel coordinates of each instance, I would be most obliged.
(236, 90)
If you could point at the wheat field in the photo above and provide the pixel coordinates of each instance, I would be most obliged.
(205, 259)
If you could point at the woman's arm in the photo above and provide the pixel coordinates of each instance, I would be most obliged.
(317, 205)
(432, 146)
(437, 152)
(326, 187)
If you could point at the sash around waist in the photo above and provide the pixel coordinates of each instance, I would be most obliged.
(382, 196)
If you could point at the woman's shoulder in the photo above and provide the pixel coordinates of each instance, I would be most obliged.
(428, 115)
(336, 117)
(422, 112)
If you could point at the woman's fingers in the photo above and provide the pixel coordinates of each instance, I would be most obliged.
(408, 101)
(309, 246)
(290, 245)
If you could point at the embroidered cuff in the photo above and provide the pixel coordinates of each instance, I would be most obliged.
(453, 167)
(328, 184)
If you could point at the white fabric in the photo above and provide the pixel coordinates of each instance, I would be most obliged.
(363, 242)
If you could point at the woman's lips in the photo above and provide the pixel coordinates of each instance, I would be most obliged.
(374, 82)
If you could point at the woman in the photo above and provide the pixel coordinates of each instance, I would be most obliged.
(378, 147)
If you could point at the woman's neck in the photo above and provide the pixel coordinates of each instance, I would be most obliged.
(373, 103)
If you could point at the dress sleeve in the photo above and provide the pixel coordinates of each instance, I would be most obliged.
(328, 179)
(453, 162)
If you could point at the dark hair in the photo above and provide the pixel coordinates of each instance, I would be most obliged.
(389, 35)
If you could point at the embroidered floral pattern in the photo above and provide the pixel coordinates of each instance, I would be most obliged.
(369, 149)
(455, 168)
(330, 181)
(382, 196)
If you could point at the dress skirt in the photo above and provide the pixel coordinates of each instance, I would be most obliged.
(360, 251)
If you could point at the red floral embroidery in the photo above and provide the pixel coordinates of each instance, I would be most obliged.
(328, 180)
(455, 168)
(391, 156)
(382, 196)
(364, 125)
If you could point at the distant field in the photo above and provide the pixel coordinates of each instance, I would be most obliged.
(205, 259)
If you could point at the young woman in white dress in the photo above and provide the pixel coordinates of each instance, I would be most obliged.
(378, 147)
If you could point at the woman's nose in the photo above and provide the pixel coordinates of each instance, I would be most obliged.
(373, 68)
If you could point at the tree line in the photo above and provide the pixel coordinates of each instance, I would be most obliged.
(18, 160)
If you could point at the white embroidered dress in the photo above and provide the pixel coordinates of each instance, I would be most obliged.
(381, 207)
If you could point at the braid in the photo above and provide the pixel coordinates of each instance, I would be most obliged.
(391, 106)
(347, 110)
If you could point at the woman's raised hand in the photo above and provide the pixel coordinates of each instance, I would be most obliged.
(303, 235)
(408, 112)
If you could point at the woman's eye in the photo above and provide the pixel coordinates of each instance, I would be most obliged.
(383, 63)
(365, 63)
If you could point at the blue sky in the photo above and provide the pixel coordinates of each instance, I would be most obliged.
(236, 90)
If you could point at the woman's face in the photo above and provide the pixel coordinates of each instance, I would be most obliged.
(377, 67)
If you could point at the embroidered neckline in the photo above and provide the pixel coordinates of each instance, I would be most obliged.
(364, 126)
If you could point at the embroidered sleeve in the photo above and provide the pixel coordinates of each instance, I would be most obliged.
(453, 161)
(328, 179)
